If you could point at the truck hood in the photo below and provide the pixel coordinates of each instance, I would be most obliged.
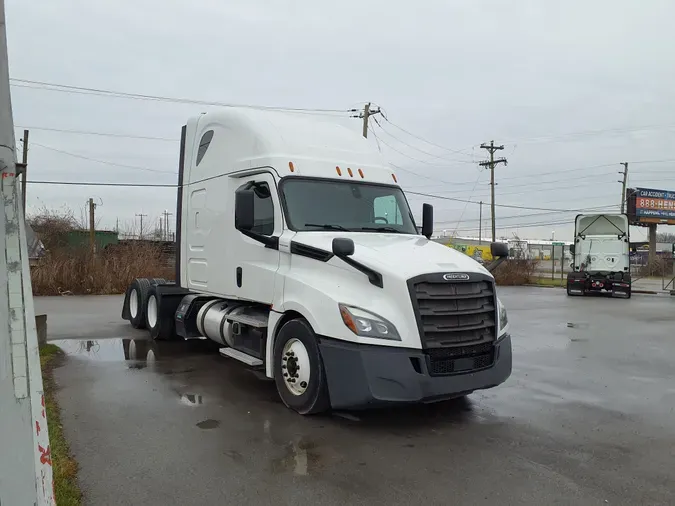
(400, 255)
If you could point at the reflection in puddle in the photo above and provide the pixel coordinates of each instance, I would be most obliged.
(138, 353)
(208, 424)
(300, 455)
(103, 350)
(192, 399)
(299, 458)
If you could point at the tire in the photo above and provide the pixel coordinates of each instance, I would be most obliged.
(158, 281)
(161, 327)
(297, 341)
(138, 300)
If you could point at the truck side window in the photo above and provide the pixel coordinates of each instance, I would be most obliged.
(263, 210)
(387, 207)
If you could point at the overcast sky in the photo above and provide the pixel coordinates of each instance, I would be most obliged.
(562, 85)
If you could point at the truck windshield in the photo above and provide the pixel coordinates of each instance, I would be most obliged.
(337, 205)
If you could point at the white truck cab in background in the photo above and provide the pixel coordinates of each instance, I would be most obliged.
(298, 253)
(601, 256)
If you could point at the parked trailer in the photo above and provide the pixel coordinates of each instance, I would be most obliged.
(601, 253)
(298, 253)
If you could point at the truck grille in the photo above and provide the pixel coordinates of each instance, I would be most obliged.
(443, 361)
(454, 313)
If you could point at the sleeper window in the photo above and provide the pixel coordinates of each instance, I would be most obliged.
(204, 145)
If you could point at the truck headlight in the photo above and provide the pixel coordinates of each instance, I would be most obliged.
(366, 324)
(503, 316)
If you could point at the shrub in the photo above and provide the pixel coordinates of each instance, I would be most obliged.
(76, 270)
(515, 272)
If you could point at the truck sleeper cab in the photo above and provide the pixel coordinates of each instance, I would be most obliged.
(299, 254)
(601, 256)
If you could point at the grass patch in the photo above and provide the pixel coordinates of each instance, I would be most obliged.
(64, 467)
(550, 282)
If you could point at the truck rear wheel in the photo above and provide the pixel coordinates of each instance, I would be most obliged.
(159, 320)
(298, 369)
(138, 300)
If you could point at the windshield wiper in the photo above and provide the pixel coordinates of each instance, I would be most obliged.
(382, 229)
(327, 226)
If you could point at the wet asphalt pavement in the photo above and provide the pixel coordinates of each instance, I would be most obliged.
(588, 417)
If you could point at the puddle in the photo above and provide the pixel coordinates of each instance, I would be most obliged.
(102, 350)
(139, 353)
(300, 458)
(208, 424)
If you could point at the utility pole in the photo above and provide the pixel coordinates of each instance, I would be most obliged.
(365, 115)
(22, 169)
(92, 227)
(480, 224)
(141, 216)
(491, 148)
(166, 215)
(623, 186)
(26, 469)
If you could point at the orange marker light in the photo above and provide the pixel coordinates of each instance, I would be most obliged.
(348, 320)
(360, 173)
(350, 172)
(337, 169)
(393, 176)
(291, 166)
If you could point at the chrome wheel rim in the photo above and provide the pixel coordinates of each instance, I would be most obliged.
(295, 366)
(152, 311)
(133, 303)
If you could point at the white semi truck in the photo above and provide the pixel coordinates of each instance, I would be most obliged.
(601, 256)
(298, 253)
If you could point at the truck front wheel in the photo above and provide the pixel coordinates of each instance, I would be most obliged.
(298, 369)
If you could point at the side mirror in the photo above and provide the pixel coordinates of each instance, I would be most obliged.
(427, 220)
(243, 209)
(499, 249)
(343, 247)
(572, 248)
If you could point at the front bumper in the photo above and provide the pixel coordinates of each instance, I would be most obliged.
(362, 376)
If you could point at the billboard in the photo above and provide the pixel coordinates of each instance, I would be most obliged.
(646, 205)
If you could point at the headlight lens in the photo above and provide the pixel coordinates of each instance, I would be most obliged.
(503, 316)
(366, 324)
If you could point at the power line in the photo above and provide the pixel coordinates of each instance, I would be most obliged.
(412, 157)
(538, 185)
(27, 83)
(564, 171)
(103, 134)
(529, 215)
(441, 197)
(424, 176)
(105, 162)
(546, 138)
(458, 152)
(434, 156)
